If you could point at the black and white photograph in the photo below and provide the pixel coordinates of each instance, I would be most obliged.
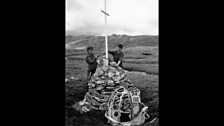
(111, 63)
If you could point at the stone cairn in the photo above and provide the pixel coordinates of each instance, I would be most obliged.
(104, 83)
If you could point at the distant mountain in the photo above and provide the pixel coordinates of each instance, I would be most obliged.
(80, 42)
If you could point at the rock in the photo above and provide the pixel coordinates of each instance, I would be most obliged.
(100, 82)
(105, 68)
(110, 74)
(123, 75)
(95, 103)
(116, 78)
(91, 85)
(106, 93)
(112, 69)
(99, 72)
(102, 77)
(117, 73)
(113, 64)
(99, 87)
(85, 109)
(77, 106)
(111, 83)
(108, 87)
(95, 78)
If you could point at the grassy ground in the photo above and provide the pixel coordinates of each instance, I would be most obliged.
(134, 62)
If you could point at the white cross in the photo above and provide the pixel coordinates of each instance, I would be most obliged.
(106, 43)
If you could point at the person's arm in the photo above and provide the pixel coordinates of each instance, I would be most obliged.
(118, 63)
(111, 52)
(120, 59)
(86, 59)
(91, 60)
(89, 76)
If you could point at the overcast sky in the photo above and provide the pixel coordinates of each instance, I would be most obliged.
(131, 17)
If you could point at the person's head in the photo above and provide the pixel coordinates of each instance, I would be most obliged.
(119, 47)
(89, 50)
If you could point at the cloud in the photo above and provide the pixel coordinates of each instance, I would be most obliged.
(126, 17)
(73, 4)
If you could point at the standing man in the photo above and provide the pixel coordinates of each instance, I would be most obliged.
(91, 60)
(118, 55)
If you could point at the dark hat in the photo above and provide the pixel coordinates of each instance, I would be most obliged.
(89, 48)
(120, 46)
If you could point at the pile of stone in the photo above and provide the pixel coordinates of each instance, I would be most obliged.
(106, 81)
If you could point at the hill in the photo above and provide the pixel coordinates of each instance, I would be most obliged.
(98, 42)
